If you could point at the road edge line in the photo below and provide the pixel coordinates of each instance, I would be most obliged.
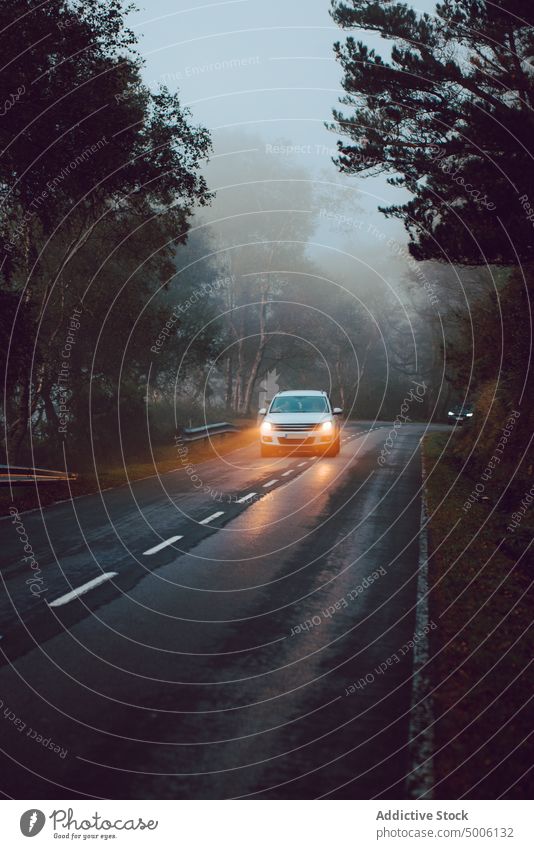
(420, 779)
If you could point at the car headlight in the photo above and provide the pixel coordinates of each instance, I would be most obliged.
(450, 413)
(469, 415)
(326, 427)
(265, 428)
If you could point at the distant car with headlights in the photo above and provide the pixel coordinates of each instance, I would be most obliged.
(460, 413)
(300, 419)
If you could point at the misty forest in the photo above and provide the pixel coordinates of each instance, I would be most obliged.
(184, 281)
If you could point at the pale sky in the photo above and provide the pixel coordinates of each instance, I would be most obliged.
(262, 67)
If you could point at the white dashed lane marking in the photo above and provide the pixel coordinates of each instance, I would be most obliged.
(64, 599)
(212, 517)
(106, 576)
(161, 545)
(245, 498)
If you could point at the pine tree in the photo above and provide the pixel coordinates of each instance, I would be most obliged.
(449, 116)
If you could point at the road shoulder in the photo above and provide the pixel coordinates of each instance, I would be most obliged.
(482, 671)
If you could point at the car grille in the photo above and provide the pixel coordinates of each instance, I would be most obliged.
(305, 440)
(292, 428)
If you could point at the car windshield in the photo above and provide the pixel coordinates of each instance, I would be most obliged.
(299, 404)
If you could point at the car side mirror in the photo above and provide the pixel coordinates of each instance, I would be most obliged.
(262, 412)
(337, 411)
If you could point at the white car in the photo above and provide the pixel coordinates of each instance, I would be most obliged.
(297, 419)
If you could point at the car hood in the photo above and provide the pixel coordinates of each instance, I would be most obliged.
(297, 418)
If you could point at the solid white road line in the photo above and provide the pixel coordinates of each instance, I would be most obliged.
(210, 518)
(161, 545)
(285, 474)
(420, 779)
(64, 599)
(245, 498)
(270, 483)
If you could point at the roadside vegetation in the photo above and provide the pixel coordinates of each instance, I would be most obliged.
(164, 459)
(482, 598)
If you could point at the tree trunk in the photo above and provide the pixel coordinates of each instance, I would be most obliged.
(238, 386)
(229, 381)
(53, 423)
(25, 409)
(245, 407)
(19, 428)
(368, 347)
(339, 377)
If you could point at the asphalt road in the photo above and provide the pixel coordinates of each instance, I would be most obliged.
(222, 664)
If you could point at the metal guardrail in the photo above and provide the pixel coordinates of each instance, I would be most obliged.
(24, 475)
(192, 434)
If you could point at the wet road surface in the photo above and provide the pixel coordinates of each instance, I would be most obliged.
(228, 633)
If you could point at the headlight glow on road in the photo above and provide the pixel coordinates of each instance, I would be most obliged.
(326, 427)
(265, 427)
